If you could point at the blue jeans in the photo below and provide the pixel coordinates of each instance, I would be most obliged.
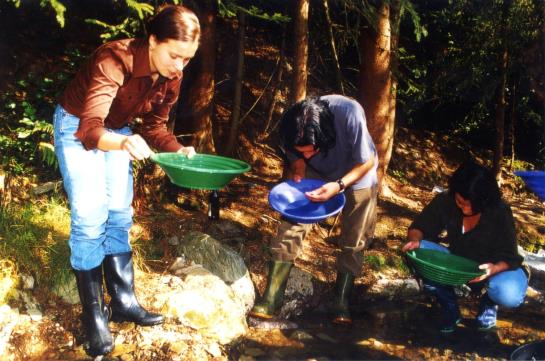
(100, 189)
(506, 289)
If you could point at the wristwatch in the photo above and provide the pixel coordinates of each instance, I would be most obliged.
(341, 184)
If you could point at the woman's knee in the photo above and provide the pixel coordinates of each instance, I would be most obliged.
(507, 292)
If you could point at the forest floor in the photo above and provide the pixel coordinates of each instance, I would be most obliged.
(384, 327)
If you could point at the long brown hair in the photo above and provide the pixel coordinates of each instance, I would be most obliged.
(174, 22)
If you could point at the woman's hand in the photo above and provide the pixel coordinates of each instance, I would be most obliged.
(490, 269)
(136, 146)
(187, 151)
(414, 236)
(324, 193)
(410, 246)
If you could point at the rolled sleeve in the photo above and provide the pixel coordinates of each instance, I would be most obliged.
(107, 76)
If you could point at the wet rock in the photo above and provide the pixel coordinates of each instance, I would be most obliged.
(393, 288)
(274, 324)
(301, 336)
(364, 343)
(299, 292)
(376, 343)
(325, 337)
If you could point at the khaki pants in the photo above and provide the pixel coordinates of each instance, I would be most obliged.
(358, 222)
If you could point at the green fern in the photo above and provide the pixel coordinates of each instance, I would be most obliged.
(47, 150)
(142, 9)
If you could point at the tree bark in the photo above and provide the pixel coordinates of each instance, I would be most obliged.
(376, 92)
(500, 117)
(500, 101)
(194, 113)
(511, 134)
(235, 114)
(333, 48)
(300, 54)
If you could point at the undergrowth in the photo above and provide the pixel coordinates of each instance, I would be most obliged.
(34, 237)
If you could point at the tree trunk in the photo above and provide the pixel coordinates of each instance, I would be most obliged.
(511, 135)
(376, 92)
(333, 48)
(235, 114)
(500, 101)
(300, 55)
(500, 118)
(194, 113)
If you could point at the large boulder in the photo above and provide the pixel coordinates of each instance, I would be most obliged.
(221, 261)
(203, 302)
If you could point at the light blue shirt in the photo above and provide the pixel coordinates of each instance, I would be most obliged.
(353, 144)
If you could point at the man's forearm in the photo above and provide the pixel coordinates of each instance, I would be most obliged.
(357, 172)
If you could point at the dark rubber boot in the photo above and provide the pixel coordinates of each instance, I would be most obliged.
(343, 287)
(119, 276)
(95, 311)
(274, 293)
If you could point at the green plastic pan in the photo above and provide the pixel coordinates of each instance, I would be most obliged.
(444, 268)
(203, 171)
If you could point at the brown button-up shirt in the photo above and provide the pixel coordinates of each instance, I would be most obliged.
(114, 87)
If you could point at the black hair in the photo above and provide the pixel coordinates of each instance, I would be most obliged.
(174, 22)
(477, 184)
(308, 122)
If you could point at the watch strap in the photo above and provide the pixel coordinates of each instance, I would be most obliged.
(341, 184)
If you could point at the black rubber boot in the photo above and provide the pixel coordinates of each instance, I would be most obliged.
(274, 293)
(343, 287)
(95, 311)
(119, 275)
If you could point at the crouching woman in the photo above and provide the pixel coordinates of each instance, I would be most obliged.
(479, 226)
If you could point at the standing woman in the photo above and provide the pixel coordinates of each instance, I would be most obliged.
(122, 80)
